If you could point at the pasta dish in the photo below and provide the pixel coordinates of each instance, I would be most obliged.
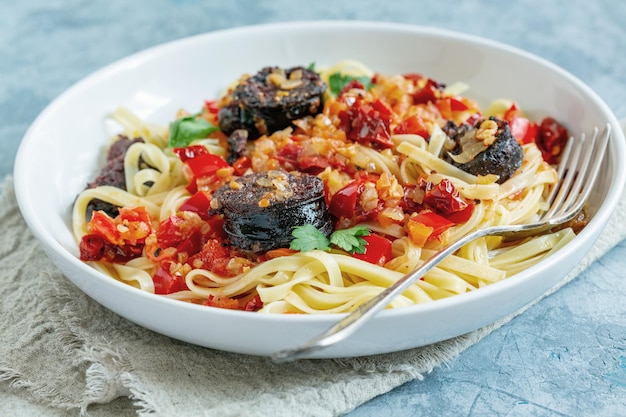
(309, 190)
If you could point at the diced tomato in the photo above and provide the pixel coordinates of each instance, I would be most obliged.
(191, 244)
(222, 302)
(254, 304)
(368, 123)
(199, 203)
(241, 165)
(428, 93)
(413, 125)
(92, 247)
(448, 105)
(211, 257)
(288, 155)
(133, 224)
(551, 139)
(462, 215)
(413, 76)
(279, 252)
(211, 106)
(116, 239)
(103, 225)
(377, 251)
(352, 84)
(216, 224)
(313, 164)
(343, 203)
(444, 198)
(184, 232)
(169, 233)
(165, 282)
(384, 111)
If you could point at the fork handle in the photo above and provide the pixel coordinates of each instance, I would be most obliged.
(353, 321)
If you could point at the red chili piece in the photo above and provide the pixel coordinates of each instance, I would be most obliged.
(551, 139)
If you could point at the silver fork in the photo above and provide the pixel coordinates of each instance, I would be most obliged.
(577, 172)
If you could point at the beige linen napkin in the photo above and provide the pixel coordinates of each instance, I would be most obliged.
(65, 351)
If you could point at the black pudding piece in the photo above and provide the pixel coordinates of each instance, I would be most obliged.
(260, 210)
(112, 174)
(486, 148)
(269, 100)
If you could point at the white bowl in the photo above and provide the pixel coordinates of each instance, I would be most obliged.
(61, 152)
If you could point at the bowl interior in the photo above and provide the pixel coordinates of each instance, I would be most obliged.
(63, 149)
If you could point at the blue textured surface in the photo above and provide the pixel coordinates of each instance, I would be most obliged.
(565, 356)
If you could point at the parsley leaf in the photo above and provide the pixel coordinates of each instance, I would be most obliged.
(308, 238)
(337, 81)
(350, 239)
(186, 129)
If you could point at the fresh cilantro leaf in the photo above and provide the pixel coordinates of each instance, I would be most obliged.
(337, 81)
(311, 66)
(350, 239)
(307, 238)
(186, 129)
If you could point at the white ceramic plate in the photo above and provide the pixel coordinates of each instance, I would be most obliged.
(62, 151)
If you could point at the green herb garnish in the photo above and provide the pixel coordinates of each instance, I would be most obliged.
(337, 81)
(350, 239)
(308, 238)
(187, 129)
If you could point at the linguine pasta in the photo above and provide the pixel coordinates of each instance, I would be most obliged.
(335, 280)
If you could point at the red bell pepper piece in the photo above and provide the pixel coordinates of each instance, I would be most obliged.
(522, 129)
(377, 251)
(205, 165)
(190, 152)
(165, 282)
(199, 203)
(198, 163)
(412, 125)
(431, 220)
(343, 203)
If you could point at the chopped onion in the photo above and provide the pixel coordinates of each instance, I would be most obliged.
(470, 147)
